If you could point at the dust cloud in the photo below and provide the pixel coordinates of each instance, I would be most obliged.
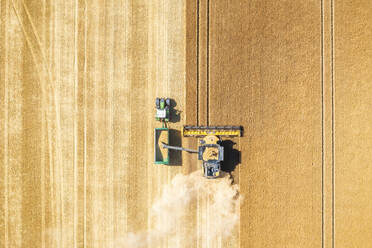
(218, 199)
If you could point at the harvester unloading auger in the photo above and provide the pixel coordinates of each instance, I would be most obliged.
(210, 151)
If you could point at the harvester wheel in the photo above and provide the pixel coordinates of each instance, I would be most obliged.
(168, 102)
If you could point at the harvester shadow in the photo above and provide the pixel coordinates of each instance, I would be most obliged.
(175, 115)
(175, 156)
(231, 156)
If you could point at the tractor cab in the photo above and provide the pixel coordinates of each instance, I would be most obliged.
(162, 109)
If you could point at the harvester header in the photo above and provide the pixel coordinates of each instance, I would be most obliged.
(221, 131)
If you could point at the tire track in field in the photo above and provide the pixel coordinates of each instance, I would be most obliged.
(166, 50)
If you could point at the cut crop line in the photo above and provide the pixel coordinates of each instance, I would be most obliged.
(85, 122)
(75, 124)
(6, 131)
(207, 62)
(333, 123)
(41, 71)
(28, 41)
(59, 156)
(38, 42)
(42, 150)
(46, 67)
(322, 99)
(197, 62)
(52, 173)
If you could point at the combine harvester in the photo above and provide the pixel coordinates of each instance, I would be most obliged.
(210, 151)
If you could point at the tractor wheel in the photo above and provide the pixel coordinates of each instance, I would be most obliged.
(157, 103)
(168, 102)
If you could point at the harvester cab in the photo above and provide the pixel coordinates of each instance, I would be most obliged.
(210, 152)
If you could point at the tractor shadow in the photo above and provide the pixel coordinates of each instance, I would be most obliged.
(231, 156)
(175, 114)
(175, 157)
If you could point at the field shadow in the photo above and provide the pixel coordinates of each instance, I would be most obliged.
(175, 114)
(175, 156)
(231, 156)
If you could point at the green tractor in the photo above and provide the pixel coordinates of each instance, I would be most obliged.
(162, 109)
(162, 114)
